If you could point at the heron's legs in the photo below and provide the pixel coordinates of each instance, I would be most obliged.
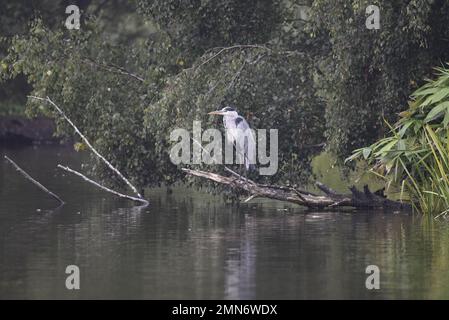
(242, 169)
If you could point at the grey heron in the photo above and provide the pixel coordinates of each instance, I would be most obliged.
(240, 134)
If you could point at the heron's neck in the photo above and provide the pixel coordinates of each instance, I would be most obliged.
(229, 120)
(231, 115)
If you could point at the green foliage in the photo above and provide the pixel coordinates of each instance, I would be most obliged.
(130, 121)
(134, 73)
(16, 17)
(415, 155)
(195, 26)
(268, 88)
(367, 75)
(74, 69)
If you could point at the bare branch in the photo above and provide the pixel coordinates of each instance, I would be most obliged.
(35, 182)
(225, 167)
(253, 46)
(114, 68)
(239, 175)
(326, 189)
(121, 195)
(89, 144)
(237, 74)
(329, 201)
(251, 198)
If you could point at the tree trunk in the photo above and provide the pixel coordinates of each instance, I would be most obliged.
(330, 199)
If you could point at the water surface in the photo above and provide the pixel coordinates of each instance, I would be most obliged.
(191, 245)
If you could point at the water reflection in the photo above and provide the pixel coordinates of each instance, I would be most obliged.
(240, 261)
(191, 245)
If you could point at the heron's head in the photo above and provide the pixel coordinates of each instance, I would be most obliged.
(226, 111)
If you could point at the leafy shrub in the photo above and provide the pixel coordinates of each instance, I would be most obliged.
(415, 155)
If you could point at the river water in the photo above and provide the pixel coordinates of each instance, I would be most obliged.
(191, 245)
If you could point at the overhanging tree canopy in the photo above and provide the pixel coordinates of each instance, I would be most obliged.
(325, 78)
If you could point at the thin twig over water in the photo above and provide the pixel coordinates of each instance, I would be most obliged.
(134, 189)
(35, 182)
(145, 202)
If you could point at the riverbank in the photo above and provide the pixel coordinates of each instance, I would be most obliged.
(19, 130)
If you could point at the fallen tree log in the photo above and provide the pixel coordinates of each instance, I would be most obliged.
(328, 200)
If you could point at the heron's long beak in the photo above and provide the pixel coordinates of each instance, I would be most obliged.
(220, 113)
